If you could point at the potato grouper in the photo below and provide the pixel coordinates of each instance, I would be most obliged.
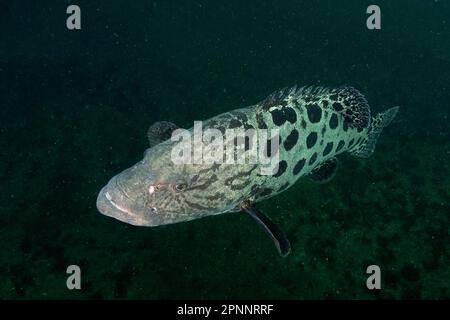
(315, 124)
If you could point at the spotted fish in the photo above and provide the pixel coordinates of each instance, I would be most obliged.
(315, 125)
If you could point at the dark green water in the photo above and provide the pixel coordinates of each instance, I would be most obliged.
(75, 107)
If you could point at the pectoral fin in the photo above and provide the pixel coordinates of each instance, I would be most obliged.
(325, 172)
(160, 131)
(274, 231)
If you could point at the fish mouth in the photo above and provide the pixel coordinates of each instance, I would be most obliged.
(118, 207)
(110, 203)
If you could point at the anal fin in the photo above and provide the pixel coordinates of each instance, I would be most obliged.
(325, 171)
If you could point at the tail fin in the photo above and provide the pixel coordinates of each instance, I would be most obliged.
(378, 123)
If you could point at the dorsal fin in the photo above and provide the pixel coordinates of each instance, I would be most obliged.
(160, 131)
(276, 98)
(352, 105)
(346, 100)
(279, 97)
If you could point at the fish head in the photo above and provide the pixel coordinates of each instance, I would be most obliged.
(156, 191)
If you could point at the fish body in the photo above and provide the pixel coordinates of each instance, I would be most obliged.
(313, 125)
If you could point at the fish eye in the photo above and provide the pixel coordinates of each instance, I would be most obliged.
(179, 187)
(153, 210)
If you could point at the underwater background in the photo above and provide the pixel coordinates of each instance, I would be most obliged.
(75, 107)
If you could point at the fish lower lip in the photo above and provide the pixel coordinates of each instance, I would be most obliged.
(115, 205)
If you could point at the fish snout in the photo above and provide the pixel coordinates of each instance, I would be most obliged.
(116, 200)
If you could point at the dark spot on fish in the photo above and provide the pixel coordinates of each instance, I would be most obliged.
(347, 121)
(337, 106)
(334, 97)
(251, 170)
(282, 165)
(328, 148)
(324, 103)
(359, 129)
(345, 126)
(278, 117)
(291, 140)
(313, 159)
(196, 205)
(213, 167)
(333, 121)
(323, 130)
(205, 184)
(234, 123)
(261, 123)
(290, 114)
(299, 166)
(340, 145)
(248, 126)
(311, 140)
(221, 129)
(314, 112)
(229, 181)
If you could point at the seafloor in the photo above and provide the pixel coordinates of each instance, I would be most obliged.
(75, 109)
